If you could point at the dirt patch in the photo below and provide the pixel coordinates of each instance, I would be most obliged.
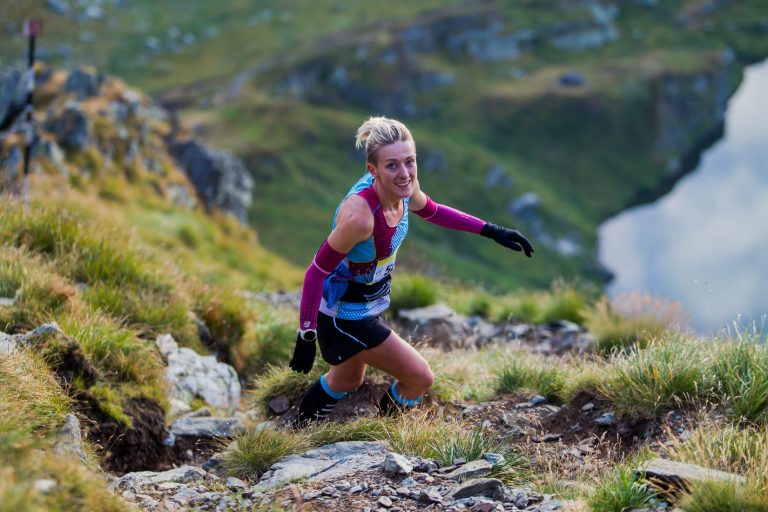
(66, 359)
(136, 448)
(577, 421)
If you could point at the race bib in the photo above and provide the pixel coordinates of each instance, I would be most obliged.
(384, 268)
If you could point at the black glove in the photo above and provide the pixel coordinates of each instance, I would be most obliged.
(303, 355)
(508, 238)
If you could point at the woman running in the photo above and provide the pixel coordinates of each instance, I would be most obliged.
(346, 287)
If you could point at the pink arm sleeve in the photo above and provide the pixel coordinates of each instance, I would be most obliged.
(448, 217)
(325, 261)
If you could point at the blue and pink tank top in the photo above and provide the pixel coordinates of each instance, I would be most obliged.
(359, 287)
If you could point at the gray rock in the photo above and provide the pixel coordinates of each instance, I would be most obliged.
(678, 475)
(12, 96)
(184, 474)
(235, 483)
(474, 469)
(206, 427)
(192, 376)
(488, 487)
(279, 404)
(395, 464)
(539, 400)
(494, 458)
(8, 343)
(328, 462)
(71, 128)
(421, 465)
(45, 485)
(587, 407)
(220, 178)
(184, 495)
(430, 495)
(572, 79)
(69, 441)
(60, 7)
(606, 419)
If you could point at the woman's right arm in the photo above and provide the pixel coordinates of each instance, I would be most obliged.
(353, 225)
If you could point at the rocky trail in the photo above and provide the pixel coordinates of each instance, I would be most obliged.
(161, 468)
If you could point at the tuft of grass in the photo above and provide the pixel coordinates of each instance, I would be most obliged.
(412, 291)
(280, 380)
(631, 321)
(226, 316)
(118, 352)
(421, 433)
(362, 429)
(253, 452)
(725, 497)
(31, 399)
(620, 491)
(739, 379)
(565, 301)
(270, 341)
(655, 378)
(536, 375)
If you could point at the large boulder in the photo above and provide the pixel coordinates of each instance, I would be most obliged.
(191, 376)
(220, 178)
(329, 462)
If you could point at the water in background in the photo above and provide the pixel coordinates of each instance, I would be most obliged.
(705, 244)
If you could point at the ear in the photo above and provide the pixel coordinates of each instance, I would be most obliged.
(371, 169)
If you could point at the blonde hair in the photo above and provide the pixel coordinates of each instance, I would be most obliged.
(380, 131)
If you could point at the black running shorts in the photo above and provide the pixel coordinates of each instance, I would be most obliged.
(341, 339)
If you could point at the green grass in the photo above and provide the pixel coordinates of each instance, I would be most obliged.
(281, 380)
(524, 372)
(665, 374)
(739, 379)
(631, 321)
(619, 491)
(252, 453)
(412, 291)
(725, 497)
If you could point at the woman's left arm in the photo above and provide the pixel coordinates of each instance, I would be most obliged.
(442, 215)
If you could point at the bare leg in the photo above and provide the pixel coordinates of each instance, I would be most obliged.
(400, 360)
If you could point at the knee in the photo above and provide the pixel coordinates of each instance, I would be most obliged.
(422, 379)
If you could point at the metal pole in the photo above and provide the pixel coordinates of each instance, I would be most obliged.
(32, 29)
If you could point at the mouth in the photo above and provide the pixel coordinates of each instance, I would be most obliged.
(404, 184)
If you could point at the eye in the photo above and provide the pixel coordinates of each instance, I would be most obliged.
(411, 162)
(392, 166)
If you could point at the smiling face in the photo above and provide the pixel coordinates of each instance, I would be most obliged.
(395, 169)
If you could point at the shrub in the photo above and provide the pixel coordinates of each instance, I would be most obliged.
(412, 291)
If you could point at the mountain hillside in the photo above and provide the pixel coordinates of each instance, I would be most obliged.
(548, 116)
